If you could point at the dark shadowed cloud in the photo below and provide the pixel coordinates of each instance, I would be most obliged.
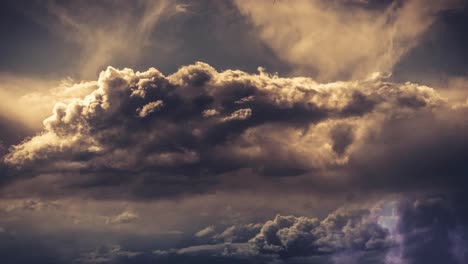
(151, 135)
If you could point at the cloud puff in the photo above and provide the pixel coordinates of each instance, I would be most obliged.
(155, 134)
(24, 109)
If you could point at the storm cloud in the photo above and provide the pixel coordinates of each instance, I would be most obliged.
(347, 145)
(156, 134)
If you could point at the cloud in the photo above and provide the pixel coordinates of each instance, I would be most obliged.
(230, 250)
(125, 217)
(434, 229)
(340, 231)
(406, 230)
(241, 114)
(342, 136)
(102, 32)
(354, 233)
(238, 233)
(149, 108)
(287, 237)
(205, 231)
(27, 101)
(108, 254)
(198, 125)
(342, 39)
(97, 182)
(33, 205)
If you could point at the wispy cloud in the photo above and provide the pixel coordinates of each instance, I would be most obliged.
(334, 39)
(109, 31)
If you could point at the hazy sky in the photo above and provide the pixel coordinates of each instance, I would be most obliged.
(285, 131)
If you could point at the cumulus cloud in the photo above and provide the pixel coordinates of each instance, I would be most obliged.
(342, 39)
(406, 230)
(340, 231)
(284, 237)
(197, 124)
(351, 234)
(28, 100)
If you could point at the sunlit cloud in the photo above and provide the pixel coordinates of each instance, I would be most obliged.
(333, 39)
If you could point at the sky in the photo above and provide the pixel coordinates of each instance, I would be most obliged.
(282, 132)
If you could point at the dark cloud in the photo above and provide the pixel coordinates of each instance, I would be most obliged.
(434, 230)
(441, 53)
(147, 135)
(347, 233)
(342, 136)
(423, 229)
(186, 128)
(340, 231)
(422, 152)
(427, 229)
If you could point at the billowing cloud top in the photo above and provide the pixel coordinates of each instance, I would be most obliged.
(145, 130)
